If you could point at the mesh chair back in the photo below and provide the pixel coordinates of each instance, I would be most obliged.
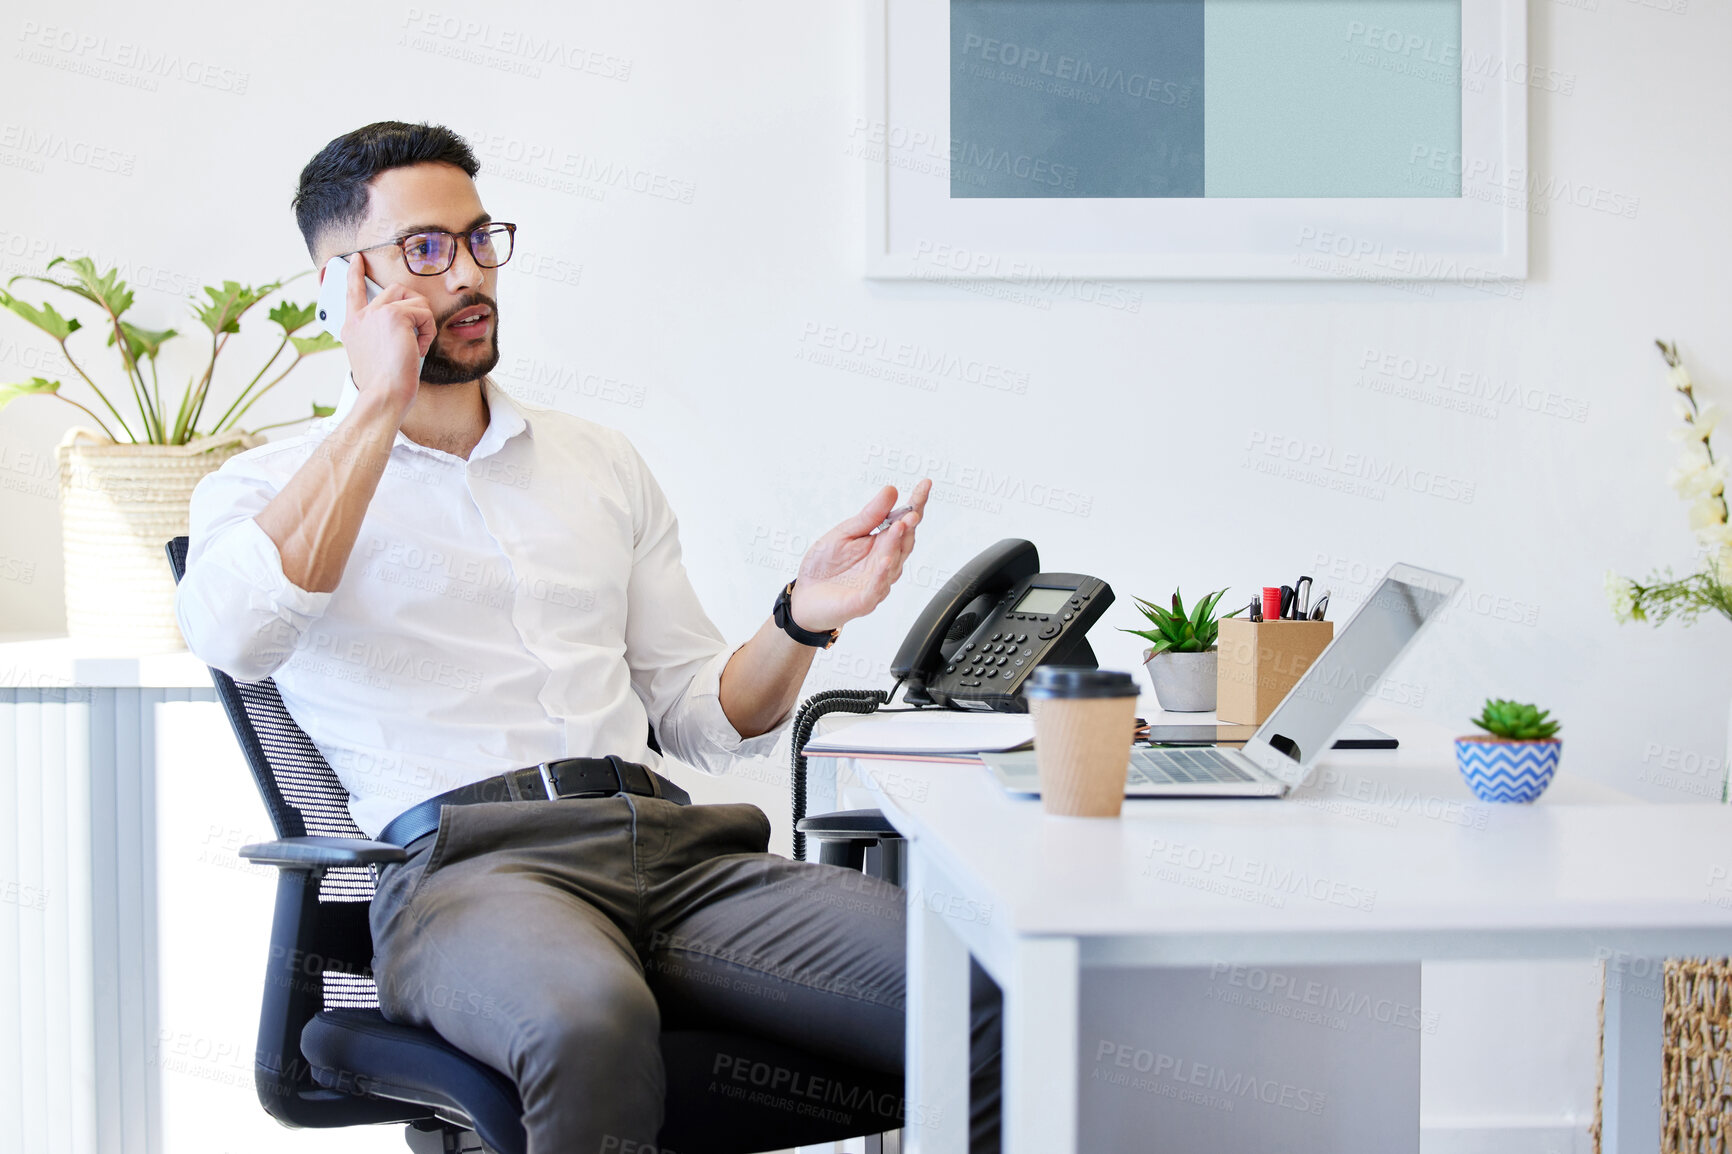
(299, 788)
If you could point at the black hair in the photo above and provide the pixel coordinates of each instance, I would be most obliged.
(333, 189)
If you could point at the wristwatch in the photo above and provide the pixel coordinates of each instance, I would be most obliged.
(785, 622)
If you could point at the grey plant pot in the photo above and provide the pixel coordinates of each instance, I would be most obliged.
(1184, 682)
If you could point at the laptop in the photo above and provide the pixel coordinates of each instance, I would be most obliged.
(1278, 757)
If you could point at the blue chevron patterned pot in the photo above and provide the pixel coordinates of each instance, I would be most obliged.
(1499, 770)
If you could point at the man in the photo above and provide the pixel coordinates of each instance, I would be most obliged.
(448, 585)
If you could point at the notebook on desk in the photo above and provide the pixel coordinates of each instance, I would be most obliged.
(923, 732)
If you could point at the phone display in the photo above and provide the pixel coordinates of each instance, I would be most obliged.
(1040, 599)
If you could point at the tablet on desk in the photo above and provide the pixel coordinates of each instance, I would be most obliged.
(1355, 736)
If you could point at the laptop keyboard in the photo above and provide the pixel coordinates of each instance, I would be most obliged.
(1182, 766)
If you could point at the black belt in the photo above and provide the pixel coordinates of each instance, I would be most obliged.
(549, 781)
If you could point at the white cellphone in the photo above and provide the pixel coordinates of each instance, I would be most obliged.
(333, 302)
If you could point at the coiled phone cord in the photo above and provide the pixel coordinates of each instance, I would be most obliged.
(814, 707)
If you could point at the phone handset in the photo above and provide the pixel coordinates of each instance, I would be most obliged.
(956, 609)
(332, 307)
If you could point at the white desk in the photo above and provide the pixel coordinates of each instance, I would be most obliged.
(1379, 860)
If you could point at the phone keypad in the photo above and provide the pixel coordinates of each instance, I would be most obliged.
(990, 663)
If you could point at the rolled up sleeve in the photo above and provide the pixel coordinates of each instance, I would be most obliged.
(676, 654)
(237, 610)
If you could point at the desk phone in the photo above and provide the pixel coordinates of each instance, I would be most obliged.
(992, 624)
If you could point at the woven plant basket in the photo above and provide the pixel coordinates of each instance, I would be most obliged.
(1695, 1058)
(1696, 1063)
(119, 505)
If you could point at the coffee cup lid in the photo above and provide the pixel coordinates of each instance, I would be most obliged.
(1079, 681)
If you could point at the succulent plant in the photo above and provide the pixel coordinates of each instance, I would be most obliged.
(1176, 631)
(1515, 721)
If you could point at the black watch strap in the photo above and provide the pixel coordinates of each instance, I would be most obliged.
(784, 620)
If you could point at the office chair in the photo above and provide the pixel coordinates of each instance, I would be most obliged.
(327, 1057)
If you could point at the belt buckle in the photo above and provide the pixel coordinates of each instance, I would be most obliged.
(550, 780)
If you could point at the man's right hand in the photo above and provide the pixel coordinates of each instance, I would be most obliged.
(315, 518)
(386, 339)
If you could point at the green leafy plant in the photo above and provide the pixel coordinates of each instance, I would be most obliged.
(1700, 478)
(139, 348)
(1176, 631)
(1516, 721)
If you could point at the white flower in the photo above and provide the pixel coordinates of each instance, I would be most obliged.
(1621, 593)
(1716, 537)
(1707, 419)
(1706, 513)
(1697, 476)
(1688, 475)
(1679, 378)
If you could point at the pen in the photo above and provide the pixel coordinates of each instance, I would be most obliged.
(1321, 609)
(895, 515)
(1301, 598)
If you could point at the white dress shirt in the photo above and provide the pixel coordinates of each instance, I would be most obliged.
(528, 603)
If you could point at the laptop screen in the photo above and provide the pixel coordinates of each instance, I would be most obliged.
(1349, 671)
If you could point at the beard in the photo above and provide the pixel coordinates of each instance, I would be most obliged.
(441, 368)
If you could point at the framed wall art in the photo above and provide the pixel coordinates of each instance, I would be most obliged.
(1187, 139)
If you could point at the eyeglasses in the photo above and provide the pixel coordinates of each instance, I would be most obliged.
(433, 253)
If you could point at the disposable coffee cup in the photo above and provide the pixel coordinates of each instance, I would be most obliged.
(1082, 737)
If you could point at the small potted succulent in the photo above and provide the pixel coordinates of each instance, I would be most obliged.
(1516, 756)
(1181, 657)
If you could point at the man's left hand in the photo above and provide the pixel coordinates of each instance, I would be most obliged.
(848, 571)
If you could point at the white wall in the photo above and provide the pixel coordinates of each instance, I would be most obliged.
(699, 315)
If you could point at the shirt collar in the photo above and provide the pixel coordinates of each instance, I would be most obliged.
(505, 419)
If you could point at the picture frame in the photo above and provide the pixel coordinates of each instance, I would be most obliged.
(917, 230)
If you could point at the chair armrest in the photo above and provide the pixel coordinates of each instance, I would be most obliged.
(303, 853)
(848, 824)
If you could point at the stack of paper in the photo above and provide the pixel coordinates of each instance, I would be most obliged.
(921, 733)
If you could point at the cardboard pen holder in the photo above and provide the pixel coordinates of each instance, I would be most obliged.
(1259, 661)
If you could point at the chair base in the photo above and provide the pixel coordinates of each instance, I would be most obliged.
(425, 1138)
(858, 839)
